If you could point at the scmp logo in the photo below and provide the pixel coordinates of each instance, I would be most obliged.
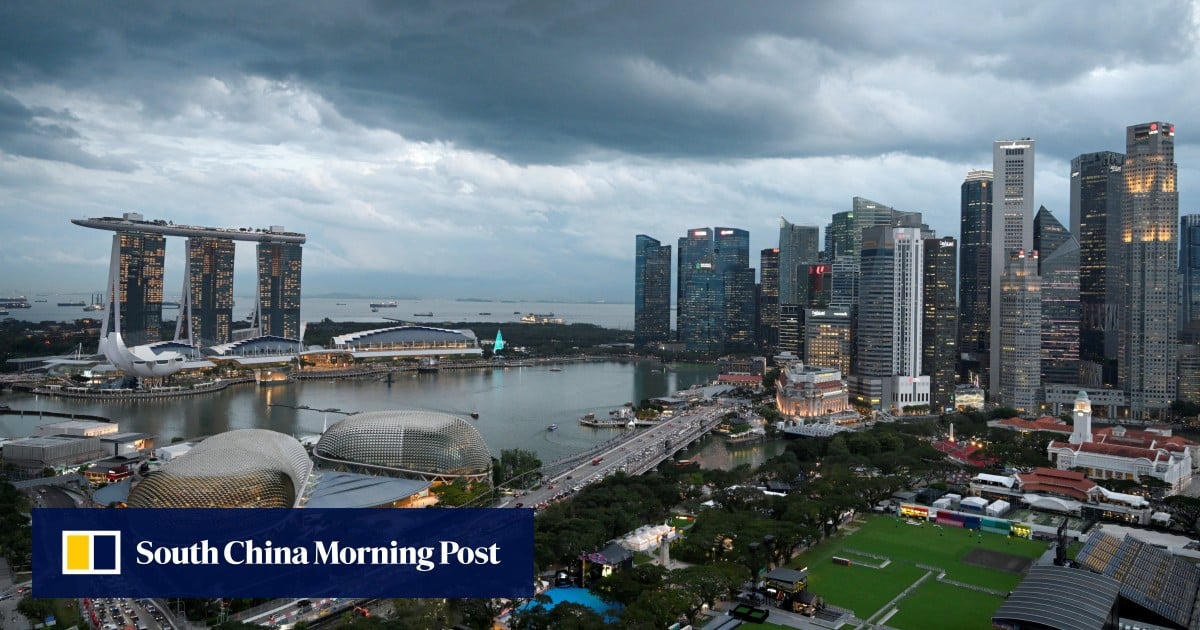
(91, 553)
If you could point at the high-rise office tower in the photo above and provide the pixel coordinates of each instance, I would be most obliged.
(651, 292)
(890, 320)
(975, 275)
(1058, 267)
(206, 315)
(1097, 186)
(827, 338)
(1189, 270)
(1012, 231)
(1020, 331)
(279, 289)
(798, 248)
(768, 297)
(820, 285)
(731, 250)
(940, 324)
(695, 249)
(791, 329)
(839, 237)
(739, 309)
(135, 287)
(1149, 218)
(867, 213)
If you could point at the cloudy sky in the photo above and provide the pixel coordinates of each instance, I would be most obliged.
(513, 149)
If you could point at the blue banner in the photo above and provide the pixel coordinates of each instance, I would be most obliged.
(283, 553)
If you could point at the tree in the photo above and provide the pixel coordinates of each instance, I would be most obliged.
(36, 609)
(513, 463)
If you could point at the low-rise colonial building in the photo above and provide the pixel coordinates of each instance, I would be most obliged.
(805, 391)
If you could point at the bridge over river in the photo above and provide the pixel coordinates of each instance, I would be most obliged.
(633, 453)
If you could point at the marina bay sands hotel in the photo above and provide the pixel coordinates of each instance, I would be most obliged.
(134, 293)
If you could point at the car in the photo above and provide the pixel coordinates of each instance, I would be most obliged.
(519, 504)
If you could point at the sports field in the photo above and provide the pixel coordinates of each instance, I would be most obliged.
(991, 561)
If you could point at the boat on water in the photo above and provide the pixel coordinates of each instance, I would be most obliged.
(170, 304)
(40, 300)
(555, 369)
(590, 416)
(4, 312)
(96, 305)
(474, 415)
(542, 318)
(374, 310)
(391, 304)
(73, 303)
(553, 427)
(341, 304)
(484, 313)
(15, 302)
(430, 314)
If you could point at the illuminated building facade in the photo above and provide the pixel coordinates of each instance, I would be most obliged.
(768, 297)
(1097, 187)
(1058, 268)
(652, 292)
(1012, 231)
(975, 276)
(137, 287)
(804, 391)
(940, 324)
(1149, 317)
(279, 289)
(1020, 331)
(207, 305)
(827, 338)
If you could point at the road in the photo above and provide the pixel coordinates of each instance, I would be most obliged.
(642, 450)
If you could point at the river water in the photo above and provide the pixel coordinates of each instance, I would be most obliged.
(515, 405)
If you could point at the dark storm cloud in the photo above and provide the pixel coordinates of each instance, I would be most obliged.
(47, 135)
(553, 80)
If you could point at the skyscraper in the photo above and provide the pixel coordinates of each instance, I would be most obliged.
(1189, 270)
(1097, 186)
(798, 248)
(890, 320)
(1012, 231)
(1058, 267)
(940, 324)
(768, 297)
(731, 250)
(135, 286)
(695, 249)
(207, 310)
(827, 338)
(1020, 330)
(975, 264)
(839, 237)
(279, 289)
(1149, 217)
(651, 292)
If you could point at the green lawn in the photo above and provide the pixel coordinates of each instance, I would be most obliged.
(865, 590)
(938, 606)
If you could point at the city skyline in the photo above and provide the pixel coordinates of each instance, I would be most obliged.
(368, 127)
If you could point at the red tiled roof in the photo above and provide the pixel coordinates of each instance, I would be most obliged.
(1143, 439)
(1063, 482)
(1116, 450)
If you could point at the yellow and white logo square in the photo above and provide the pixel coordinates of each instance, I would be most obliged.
(91, 552)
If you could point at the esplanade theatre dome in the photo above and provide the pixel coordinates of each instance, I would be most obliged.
(419, 444)
(241, 468)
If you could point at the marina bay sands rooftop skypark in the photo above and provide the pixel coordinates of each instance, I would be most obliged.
(133, 222)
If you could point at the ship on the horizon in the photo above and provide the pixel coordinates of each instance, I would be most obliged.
(18, 301)
(391, 304)
(73, 303)
(96, 305)
(429, 314)
(170, 304)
